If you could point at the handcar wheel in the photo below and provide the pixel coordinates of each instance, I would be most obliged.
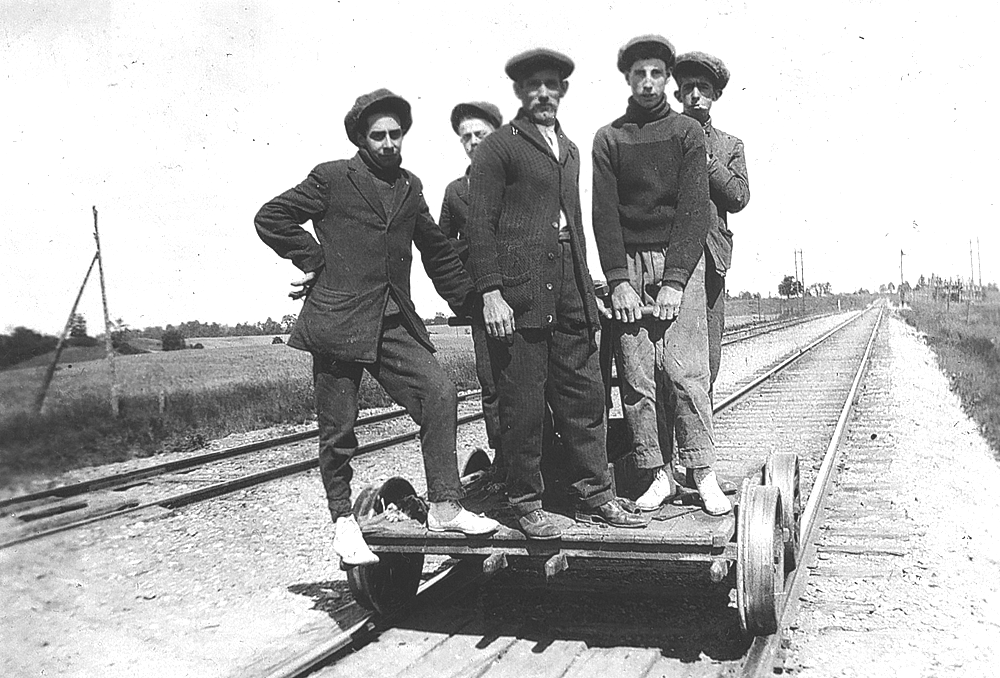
(393, 580)
(782, 471)
(760, 556)
(473, 461)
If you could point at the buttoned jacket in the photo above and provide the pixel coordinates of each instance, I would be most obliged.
(517, 188)
(729, 190)
(455, 215)
(362, 255)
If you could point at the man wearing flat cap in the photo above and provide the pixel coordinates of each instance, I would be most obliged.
(700, 80)
(473, 121)
(650, 218)
(367, 213)
(527, 258)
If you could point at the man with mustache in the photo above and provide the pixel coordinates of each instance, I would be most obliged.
(367, 213)
(700, 80)
(473, 121)
(650, 214)
(528, 260)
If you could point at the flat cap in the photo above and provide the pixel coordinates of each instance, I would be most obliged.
(483, 110)
(700, 62)
(645, 47)
(379, 101)
(524, 64)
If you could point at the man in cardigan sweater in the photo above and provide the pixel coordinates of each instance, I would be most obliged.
(650, 220)
(528, 259)
(368, 213)
(474, 121)
(700, 80)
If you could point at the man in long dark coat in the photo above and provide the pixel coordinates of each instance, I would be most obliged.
(528, 259)
(367, 213)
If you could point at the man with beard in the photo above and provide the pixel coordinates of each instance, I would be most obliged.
(367, 213)
(528, 259)
(700, 80)
(473, 122)
(650, 217)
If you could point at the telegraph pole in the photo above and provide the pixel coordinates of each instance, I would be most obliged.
(901, 299)
(109, 349)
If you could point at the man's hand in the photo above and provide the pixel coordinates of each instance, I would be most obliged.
(499, 316)
(668, 302)
(305, 285)
(625, 302)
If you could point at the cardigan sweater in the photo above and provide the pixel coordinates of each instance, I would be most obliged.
(517, 188)
(651, 191)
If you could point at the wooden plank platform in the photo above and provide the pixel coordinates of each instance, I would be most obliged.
(677, 532)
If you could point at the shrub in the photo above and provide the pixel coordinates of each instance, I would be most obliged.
(173, 340)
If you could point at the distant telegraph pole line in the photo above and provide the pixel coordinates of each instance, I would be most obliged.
(109, 349)
(40, 398)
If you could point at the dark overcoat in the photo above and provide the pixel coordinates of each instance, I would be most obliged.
(361, 255)
(516, 189)
(455, 215)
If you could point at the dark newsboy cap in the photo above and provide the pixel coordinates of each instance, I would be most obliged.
(691, 63)
(645, 47)
(379, 101)
(483, 110)
(524, 64)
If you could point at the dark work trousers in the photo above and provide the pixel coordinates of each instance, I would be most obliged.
(488, 383)
(558, 366)
(412, 377)
(715, 293)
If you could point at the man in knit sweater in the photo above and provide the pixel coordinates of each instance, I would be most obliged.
(527, 257)
(700, 80)
(651, 216)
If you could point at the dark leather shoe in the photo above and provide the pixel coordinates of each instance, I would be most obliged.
(611, 513)
(538, 525)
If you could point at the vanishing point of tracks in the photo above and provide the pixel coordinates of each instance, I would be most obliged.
(67, 507)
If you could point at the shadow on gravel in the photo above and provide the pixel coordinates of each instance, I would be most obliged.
(328, 596)
(612, 607)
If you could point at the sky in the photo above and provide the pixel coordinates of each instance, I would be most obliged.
(866, 127)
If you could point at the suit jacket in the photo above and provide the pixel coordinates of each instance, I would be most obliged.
(362, 255)
(729, 190)
(517, 188)
(455, 215)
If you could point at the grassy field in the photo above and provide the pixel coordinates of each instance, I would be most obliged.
(966, 340)
(169, 400)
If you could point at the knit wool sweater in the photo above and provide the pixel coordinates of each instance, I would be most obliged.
(651, 191)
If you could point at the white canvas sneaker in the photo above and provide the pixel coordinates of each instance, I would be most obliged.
(349, 543)
(660, 490)
(712, 498)
(450, 516)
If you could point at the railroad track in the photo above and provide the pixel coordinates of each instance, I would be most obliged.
(624, 620)
(67, 507)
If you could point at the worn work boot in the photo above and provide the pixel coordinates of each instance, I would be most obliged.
(611, 513)
(713, 499)
(450, 516)
(539, 525)
(660, 490)
(349, 544)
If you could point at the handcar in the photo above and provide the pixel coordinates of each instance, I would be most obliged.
(753, 547)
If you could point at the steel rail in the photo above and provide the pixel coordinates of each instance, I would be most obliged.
(151, 471)
(760, 657)
(445, 584)
(743, 391)
(226, 487)
(115, 479)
